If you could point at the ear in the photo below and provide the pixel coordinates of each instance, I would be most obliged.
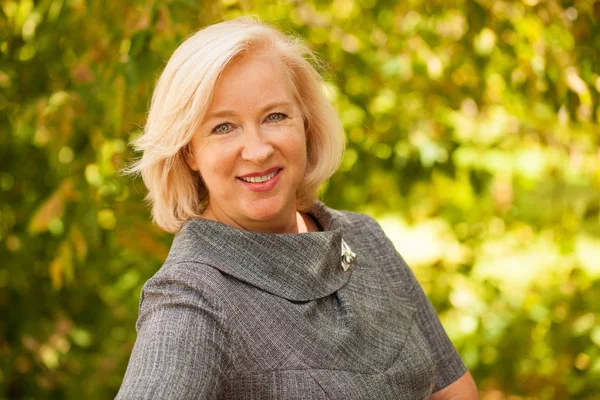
(189, 158)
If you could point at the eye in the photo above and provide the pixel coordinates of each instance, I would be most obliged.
(274, 117)
(222, 128)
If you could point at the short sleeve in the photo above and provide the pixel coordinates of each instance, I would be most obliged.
(449, 365)
(181, 347)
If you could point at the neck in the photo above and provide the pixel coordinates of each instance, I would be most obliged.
(305, 223)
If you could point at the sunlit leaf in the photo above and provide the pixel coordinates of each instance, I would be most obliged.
(51, 209)
(61, 267)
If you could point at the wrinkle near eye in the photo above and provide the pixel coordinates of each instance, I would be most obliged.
(280, 117)
(218, 129)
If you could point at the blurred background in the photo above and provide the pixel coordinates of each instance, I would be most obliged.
(473, 138)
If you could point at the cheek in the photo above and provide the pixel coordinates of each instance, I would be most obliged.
(294, 146)
(300, 161)
(301, 138)
(215, 162)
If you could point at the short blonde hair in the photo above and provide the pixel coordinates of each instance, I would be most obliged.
(182, 97)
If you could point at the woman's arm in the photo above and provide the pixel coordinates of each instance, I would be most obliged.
(181, 348)
(462, 388)
(451, 375)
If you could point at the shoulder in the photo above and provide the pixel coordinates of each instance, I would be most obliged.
(355, 220)
(189, 260)
(189, 272)
(193, 274)
(183, 275)
(368, 239)
(178, 287)
(363, 227)
(348, 220)
(186, 242)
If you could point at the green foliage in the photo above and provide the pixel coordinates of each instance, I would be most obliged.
(472, 135)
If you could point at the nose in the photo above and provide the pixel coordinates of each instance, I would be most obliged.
(257, 148)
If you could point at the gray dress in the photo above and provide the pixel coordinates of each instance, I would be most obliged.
(239, 315)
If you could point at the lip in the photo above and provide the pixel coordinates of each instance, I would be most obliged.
(259, 173)
(261, 186)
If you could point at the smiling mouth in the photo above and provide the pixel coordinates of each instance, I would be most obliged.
(260, 179)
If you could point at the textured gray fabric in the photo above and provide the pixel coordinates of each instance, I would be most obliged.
(240, 315)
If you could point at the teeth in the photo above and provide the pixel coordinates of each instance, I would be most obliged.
(259, 179)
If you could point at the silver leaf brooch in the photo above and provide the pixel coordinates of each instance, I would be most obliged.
(348, 256)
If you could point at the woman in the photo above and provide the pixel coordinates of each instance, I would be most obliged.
(267, 293)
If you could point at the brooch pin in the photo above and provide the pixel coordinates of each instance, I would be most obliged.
(348, 256)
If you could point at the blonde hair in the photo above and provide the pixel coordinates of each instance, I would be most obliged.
(182, 97)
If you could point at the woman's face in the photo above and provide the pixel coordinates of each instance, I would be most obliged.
(251, 147)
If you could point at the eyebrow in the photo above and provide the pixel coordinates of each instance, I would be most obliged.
(228, 113)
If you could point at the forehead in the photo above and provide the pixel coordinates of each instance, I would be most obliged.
(251, 79)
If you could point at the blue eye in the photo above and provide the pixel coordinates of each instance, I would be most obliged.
(276, 117)
(222, 128)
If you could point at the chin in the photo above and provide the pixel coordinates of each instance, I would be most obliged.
(265, 210)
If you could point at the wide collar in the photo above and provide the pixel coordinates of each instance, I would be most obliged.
(298, 267)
